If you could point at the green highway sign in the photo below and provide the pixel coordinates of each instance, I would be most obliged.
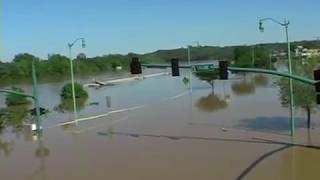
(204, 67)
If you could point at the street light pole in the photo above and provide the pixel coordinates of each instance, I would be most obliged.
(190, 83)
(70, 45)
(292, 124)
(189, 63)
(286, 25)
(189, 55)
(253, 56)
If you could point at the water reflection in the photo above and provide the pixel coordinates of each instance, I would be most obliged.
(69, 127)
(248, 85)
(208, 77)
(42, 152)
(260, 80)
(243, 88)
(67, 105)
(211, 103)
(6, 147)
(271, 123)
(13, 116)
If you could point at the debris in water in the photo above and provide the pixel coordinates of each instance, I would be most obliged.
(224, 130)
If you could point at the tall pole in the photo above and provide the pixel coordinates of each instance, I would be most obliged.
(189, 55)
(292, 124)
(36, 97)
(72, 74)
(72, 84)
(286, 25)
(270, 61)
(190, 83)
(189, 63)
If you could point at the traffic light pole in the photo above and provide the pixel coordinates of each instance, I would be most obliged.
(34, 96)
(237, 69)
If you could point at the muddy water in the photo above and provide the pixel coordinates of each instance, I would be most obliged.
(238, 130)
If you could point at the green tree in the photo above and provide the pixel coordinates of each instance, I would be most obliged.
(58, 65)
(80, 92)
(15, 100)
(243, 88)
(23, 62)
(66, 105)
(304, 94)
(4, 72)
(243, 56)
(304, 97)
(261, 57)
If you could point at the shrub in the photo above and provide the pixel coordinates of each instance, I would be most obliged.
(15, 100)
(80, 92)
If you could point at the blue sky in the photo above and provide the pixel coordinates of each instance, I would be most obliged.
(121, 26)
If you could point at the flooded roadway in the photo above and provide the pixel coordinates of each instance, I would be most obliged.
(238, 130)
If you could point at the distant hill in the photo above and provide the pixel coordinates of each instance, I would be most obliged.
(218, 53)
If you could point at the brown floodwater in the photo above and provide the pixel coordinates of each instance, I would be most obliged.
(236, 130)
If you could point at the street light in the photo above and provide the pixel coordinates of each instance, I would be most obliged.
(70, 45)
(189, 54)
(284, 24)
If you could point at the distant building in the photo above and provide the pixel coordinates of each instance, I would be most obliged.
(306, 53)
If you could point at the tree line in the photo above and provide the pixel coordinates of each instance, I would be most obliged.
(58, 66)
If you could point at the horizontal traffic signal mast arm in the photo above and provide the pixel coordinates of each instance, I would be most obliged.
(16, 93)
(264, 71)
(237, 69)
(163, 66)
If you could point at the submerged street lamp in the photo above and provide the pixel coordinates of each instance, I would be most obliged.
(284, 24)
(70, 45)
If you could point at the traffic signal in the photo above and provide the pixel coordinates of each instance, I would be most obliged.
(223, 70)
(175, 67)
(43, 111)
(135, 66)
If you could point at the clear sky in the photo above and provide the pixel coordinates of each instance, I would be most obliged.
(121, 26)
